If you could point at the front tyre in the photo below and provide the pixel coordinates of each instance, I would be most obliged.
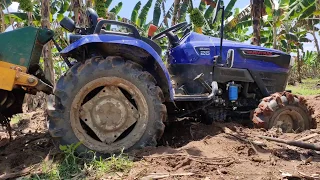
(109, 105)
(285, 111)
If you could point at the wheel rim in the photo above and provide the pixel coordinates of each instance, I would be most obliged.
(289, 120)
(109, 114)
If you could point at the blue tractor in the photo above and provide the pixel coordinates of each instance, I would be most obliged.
(118, 93)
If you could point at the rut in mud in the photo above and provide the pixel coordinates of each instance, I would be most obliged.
(188, 150)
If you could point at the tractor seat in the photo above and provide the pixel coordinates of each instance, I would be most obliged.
(154, 45)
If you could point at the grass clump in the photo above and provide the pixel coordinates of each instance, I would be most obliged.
(86, 165)
(120, 163)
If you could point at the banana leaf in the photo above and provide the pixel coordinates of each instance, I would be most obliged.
(117, 8)
(209, 13)
(228, 9)
(144, 13)
(107, 4)
(183, 11)
(157, 12)
(167, 16)
(64, 7)
(19, 17)
(202, 6)
(135, 12)
(307, 12)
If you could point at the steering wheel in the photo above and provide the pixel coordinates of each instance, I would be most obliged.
(174, 29)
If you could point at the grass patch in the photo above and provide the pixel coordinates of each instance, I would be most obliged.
(85, 166)
(308, 87)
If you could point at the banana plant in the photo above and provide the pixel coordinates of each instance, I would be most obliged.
(27, 6)
(157, 12)
(207, 8)
(3, 5)
(277, 12)
(166, 15)
(135, 12)
(100, 6)
(240, 32)
(240, 18)
(302, 9)
(183, 11)
(310, 58)
(176, 8)
(139, 19)
(116, 9)
(144, 13)
(59, 8)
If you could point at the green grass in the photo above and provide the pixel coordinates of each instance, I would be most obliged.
(307, 87)
(86, 166)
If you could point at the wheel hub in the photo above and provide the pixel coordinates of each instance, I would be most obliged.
(285, 122)
(109, 114)
(289, 120)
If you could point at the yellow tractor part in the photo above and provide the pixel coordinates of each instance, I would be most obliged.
(11, 74)
(12, 66)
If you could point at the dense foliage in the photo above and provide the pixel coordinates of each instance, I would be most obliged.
(26, 5)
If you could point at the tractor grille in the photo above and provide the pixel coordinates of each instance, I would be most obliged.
(274, 82)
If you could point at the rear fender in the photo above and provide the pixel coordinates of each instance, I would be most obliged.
(130, 48)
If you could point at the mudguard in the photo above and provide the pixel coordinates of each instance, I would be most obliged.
(127, 40)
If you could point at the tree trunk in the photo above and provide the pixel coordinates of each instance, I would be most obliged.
(274, 28)
(175, 12)
(2, 21)
(256, 12)
(79, 13)
(315, 40)
(299, 65)
(47, 55)
(30, 14)
(274, 34)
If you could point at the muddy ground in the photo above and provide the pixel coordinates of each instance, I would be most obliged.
(188, 151)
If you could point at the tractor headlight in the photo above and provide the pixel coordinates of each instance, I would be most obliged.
(292, 61)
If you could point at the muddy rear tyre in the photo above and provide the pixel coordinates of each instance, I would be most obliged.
(285, 111)
(107, 104)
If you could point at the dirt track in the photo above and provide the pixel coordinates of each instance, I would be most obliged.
(196, 151)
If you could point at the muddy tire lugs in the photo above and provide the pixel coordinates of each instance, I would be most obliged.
(59, 122)
(264, 114)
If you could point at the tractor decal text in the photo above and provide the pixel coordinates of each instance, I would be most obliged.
(203, 51)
